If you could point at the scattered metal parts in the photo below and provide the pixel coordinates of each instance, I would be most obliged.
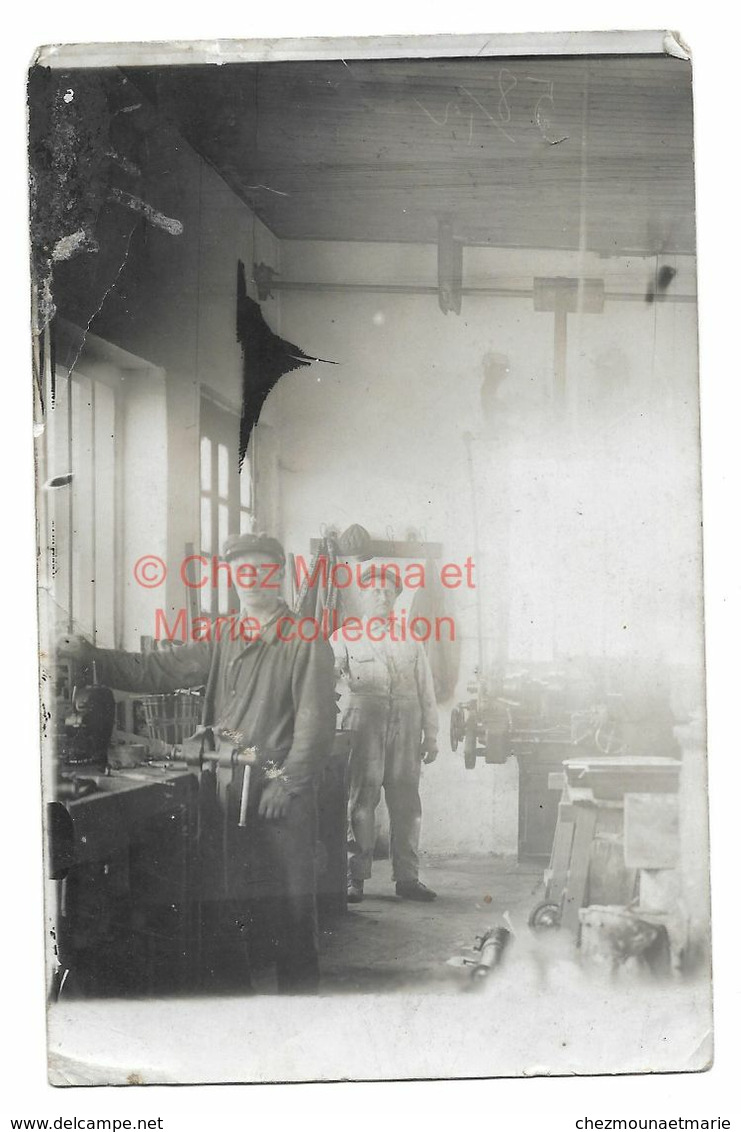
(485, 954)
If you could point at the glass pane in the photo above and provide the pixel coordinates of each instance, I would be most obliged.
(223, 524)
(205, 464)
(223, 582)
(105, 515)
(59, 500)
(223, 462)
(245, 522)
(83, 505)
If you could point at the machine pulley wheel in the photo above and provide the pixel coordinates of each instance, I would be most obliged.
(545, 917)
(457, 727)
(470, 753)
(609, 738)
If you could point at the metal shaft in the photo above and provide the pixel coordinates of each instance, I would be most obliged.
(244, 797)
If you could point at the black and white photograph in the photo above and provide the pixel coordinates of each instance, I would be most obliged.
(369, 547)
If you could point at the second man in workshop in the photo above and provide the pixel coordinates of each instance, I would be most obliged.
(392, 711)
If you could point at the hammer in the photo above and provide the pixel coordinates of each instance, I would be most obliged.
(194, 755)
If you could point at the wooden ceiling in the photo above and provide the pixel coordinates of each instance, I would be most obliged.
(528, 152)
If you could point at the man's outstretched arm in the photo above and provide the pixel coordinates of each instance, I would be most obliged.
(157, 671)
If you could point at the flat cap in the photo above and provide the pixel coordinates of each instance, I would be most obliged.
(236, 545)
(381, 576)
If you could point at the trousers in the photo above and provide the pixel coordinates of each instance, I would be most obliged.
(385, 755)
(264, 877)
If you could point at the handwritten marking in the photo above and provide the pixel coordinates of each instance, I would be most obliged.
(507, 82)
(504, 93)
(486, 113)
(541, 121)
(432, 116)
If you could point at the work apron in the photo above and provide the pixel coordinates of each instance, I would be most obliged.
(261, 875)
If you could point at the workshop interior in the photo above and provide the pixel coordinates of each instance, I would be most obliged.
(433, 314)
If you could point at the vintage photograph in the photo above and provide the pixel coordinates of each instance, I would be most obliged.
(369, 557)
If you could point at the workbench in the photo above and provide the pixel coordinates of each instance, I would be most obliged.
(121, 859)
(121, 853)
(589, 863)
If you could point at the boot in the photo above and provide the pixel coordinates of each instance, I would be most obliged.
(354, 891)
(414, 890)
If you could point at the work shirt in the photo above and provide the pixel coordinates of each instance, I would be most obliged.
(388, 670)
(272, 693)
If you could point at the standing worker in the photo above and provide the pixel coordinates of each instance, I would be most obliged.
(273, 694)
(393, 713)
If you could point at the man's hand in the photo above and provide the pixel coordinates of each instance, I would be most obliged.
(428, 751)
(274, 800)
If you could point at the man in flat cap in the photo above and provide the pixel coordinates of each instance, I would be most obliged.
(273, 694)
(392, 711)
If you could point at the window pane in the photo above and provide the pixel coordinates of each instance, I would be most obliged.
(105, 515)
(59, 499)
(223, 524)
(83, 505)
(206, 547)
(223, 532)
(223, 461)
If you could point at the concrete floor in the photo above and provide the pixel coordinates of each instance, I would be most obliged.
(391, 1007)
(387, 944)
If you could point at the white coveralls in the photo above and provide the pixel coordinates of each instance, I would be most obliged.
(390, 704)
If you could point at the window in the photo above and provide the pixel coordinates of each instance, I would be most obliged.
(78, 510)
(226, 495)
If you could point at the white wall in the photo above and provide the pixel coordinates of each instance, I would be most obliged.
(180, 317)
